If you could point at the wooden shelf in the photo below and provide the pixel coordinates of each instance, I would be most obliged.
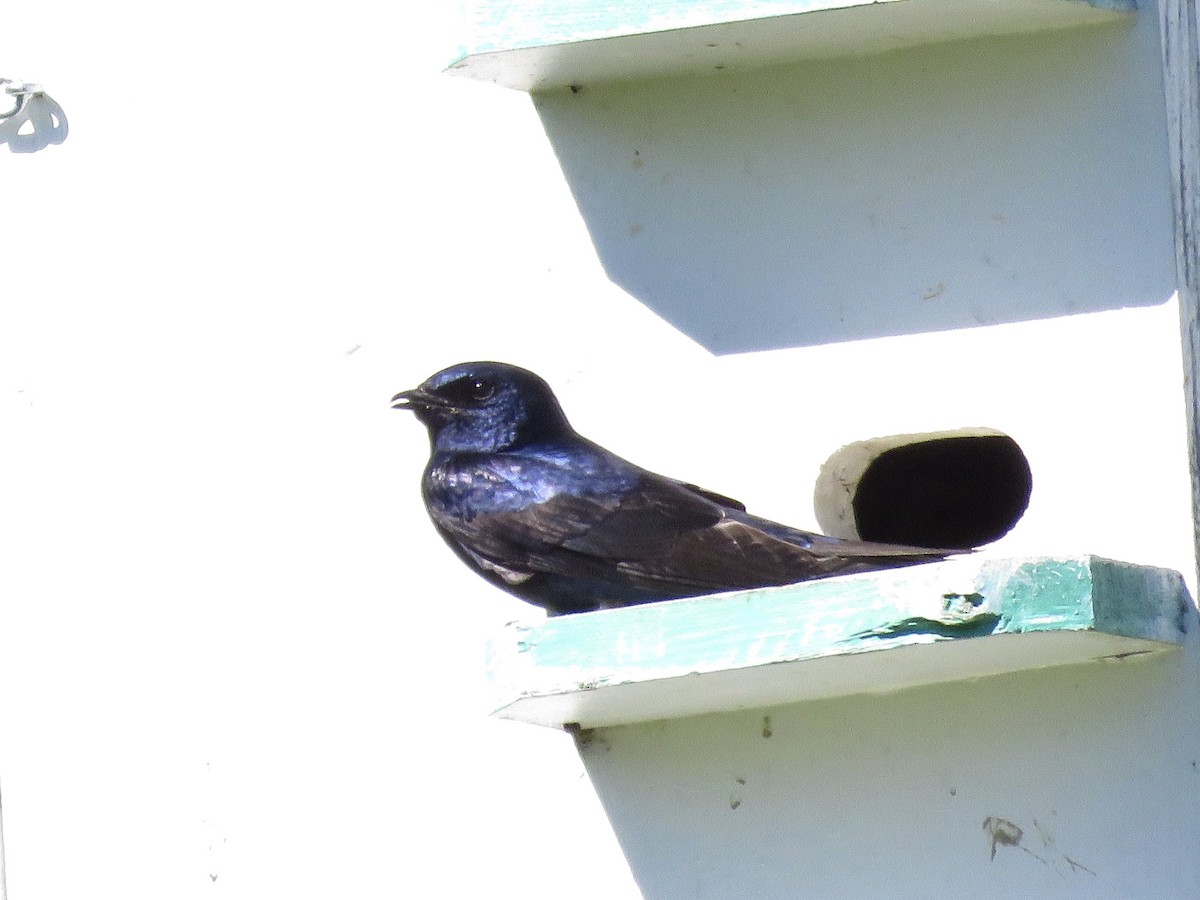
(960, 619)
(536, 45)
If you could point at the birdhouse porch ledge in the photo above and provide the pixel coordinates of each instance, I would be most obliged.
(960, 619)
(535, 45)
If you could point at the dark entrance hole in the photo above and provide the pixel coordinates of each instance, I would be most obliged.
(955, 492)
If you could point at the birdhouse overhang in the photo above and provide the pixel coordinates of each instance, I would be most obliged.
(534, 45)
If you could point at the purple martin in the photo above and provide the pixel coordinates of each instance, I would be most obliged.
(545, 514)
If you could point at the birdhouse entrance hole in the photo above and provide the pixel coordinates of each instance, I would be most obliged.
(954, 489)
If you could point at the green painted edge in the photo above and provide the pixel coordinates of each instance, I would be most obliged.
(1045, 595)
(1139, 601)
(502, 26)
(961, 599)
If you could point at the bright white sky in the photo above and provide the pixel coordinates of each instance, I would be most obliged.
(231, 644)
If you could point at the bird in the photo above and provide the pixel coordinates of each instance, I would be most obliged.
(557, 520)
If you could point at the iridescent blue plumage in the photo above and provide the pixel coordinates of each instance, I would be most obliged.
(559, 521)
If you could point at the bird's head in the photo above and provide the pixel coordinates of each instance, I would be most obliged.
(484, 407)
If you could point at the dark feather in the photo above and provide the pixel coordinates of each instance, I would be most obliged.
(561, 522)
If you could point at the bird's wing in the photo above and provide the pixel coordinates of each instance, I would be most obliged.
(743, 551)
(638, 516)
(656, 530)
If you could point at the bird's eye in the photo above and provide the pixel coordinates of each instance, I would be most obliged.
(481, 390)
(468, 390)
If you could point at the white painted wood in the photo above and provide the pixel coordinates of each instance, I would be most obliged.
(605, 703)
(827, 202)
(3, 876)
(1071, 783)
(1181, 81)
(536, 45)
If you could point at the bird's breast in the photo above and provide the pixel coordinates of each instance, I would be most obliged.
(465, 488)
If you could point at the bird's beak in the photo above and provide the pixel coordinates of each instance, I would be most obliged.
(417, 400)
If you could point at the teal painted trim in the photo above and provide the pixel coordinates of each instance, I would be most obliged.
(536, 44)
(837, 615)
(1045, 594)
(540, 23)
(1113, 608)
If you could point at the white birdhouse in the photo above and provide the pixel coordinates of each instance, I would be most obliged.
(976, 221)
